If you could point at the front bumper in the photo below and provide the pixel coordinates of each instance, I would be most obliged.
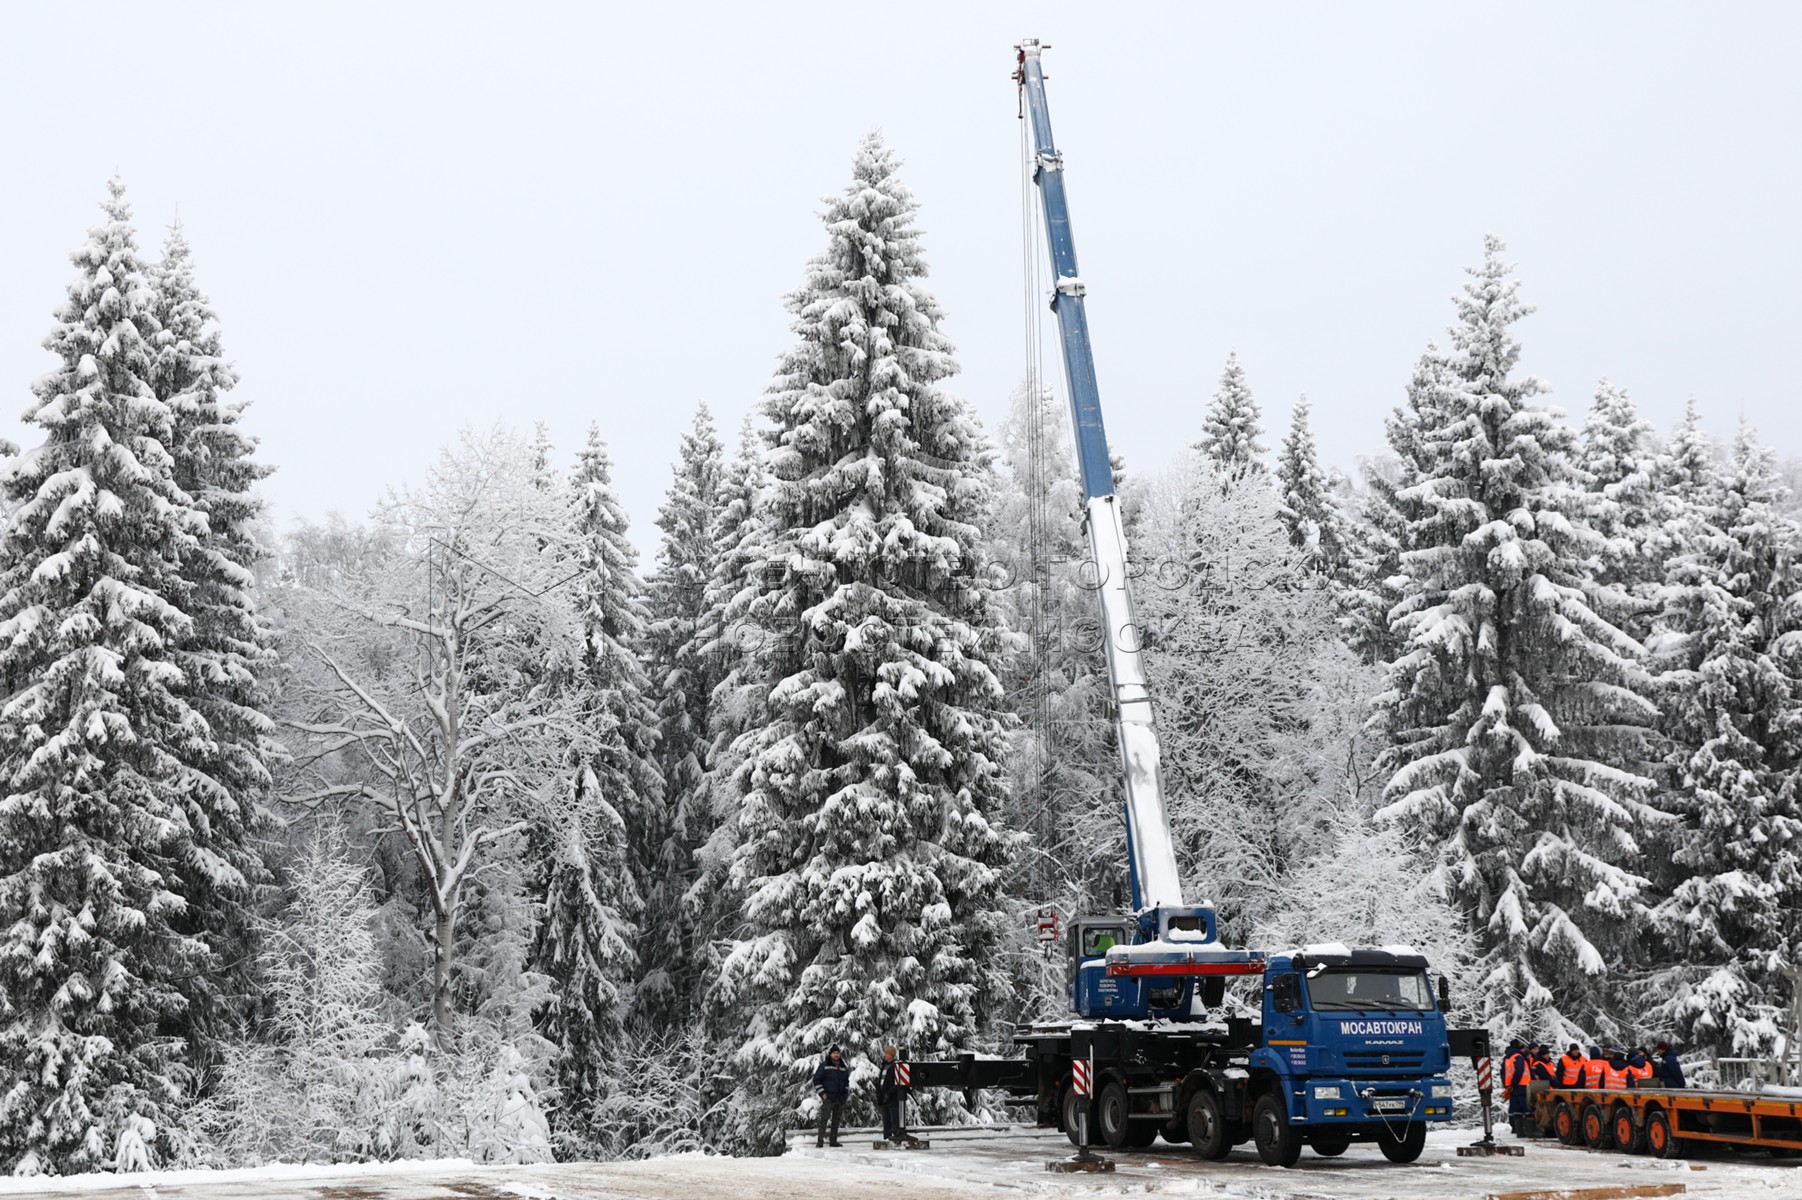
(1359, 1102)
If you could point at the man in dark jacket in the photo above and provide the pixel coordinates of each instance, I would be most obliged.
(1670, 1071)
(889, 1094)
(832, 1079)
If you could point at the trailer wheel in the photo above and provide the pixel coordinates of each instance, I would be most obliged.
(1278, 1143)
(1330, 1145)
(1407, 1147)
(1660, 1140)
(1628, 1138)
(1208, 1133)
(1595, 1127)
(1110, 1116)
(1564, 1124)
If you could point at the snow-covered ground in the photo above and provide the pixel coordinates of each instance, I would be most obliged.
(964, 1163)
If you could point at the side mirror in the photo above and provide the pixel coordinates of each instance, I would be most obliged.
(1445, 994)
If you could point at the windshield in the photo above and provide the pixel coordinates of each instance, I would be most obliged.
(1357, 991)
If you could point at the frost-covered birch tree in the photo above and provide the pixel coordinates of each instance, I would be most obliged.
(1515, 711)
(427, 699)
(867, 851)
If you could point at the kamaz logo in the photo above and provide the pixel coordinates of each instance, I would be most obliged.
(1368, 1028)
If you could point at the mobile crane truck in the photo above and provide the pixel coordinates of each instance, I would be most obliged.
(1352, 1044)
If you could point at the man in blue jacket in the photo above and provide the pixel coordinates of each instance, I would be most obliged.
(832, 1079)
(1670, 1071)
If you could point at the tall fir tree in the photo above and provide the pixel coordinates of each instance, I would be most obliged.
(682, 680)
(231, 649)
(609, 597)
(1307, 505)
(1232, 429)
(1390, 506)
(1514, 712)
(867, 854)
(1726, 641)
(96, 740)
(1619, 463)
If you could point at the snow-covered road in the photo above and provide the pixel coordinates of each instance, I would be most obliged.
(991, 1163)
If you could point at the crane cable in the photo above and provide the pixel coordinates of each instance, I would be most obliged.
(1038, 487)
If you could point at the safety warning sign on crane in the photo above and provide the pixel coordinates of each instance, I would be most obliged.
(1079, 1076)
(903, 1076)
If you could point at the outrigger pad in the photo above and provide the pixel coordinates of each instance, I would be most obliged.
(1071, 1165)
(1490, 1149)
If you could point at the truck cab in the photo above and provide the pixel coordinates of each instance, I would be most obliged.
(1355, 1048)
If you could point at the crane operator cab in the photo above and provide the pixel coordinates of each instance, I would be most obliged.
(1165, 963)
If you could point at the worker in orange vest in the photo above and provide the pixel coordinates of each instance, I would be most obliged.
(1639, 1069)
(1594, 1067)
(1514, 1084)
(1570, 1067)
(1616, 1073)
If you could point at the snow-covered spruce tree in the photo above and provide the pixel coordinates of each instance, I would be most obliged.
(867, 856)
(309, 1088)
(739, 702)
(1251, 679)
(1514, 714)
(1728, 641)
(614, 690)
(682, 682)
(230, 649)
(1231, 431)
(1374, 579)
(1066, 785)
(1619, 464)
(1308, 506)
(97, 738)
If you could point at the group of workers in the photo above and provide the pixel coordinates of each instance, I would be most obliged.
(1528, 1070)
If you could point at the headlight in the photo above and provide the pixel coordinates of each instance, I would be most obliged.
(1326, 1092)
(1442, 1091)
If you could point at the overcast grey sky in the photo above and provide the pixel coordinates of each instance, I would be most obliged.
(411, 217)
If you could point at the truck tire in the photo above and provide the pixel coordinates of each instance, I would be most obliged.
(1068, 1108)
(1595, 1124)
(1629, 1137)
(1208, 1133)
(1564, 1124)
(1407, 1147)
(1278, 1143)
(1110, 1115)
(1661, 1139)
(1140, 1134)
(1330, 1145)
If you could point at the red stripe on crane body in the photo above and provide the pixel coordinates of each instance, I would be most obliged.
(903, 1076)
(1483, 1080)
(1079, 1074)
(1177, 968)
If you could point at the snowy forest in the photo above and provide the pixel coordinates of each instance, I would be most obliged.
(457, 829)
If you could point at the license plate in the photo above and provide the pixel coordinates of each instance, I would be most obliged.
(1389, 1105)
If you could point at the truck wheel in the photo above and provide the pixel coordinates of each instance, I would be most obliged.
(1660, 1139)
(1628, 1138)
(1330, 1145)
(1068, 1109)
(1110, 1116)
(1407, 1147)
(1278, 1143)
(1141, 1134)
(1207, 1129)
(1595, 1127)
(1175, 1130)
(1564, 1124)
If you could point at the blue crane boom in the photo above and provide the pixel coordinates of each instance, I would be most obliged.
(1156, 883)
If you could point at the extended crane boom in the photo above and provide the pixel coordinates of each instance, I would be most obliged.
(1155, 881)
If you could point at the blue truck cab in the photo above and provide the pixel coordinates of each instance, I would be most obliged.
(1354, 1048)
